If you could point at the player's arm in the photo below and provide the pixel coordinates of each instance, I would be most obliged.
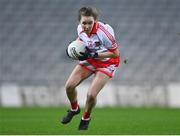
(109, 42)
(109, 54)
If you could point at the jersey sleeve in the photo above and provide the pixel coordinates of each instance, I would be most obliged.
(107, 37)
(79, 32)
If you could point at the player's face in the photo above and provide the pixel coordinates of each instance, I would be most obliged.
(87, 23)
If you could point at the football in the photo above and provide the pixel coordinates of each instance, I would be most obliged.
(74, 49)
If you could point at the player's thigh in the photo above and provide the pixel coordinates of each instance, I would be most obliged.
(98, 83)
(78, 74)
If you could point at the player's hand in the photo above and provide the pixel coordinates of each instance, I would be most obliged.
(88, 54)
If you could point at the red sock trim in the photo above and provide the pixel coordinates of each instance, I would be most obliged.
(74, 105)
(86, 115)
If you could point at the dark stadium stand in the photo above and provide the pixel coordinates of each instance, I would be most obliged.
(34, 35)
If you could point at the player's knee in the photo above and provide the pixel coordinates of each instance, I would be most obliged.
(91, 97)
(69, 87)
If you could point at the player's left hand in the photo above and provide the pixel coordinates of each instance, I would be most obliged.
(88, 54)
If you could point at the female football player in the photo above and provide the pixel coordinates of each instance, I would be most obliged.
(101, 58)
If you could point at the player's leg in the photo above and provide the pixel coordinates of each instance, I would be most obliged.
(77, 76)
(97, 84)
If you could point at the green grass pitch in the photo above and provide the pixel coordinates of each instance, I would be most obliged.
(120, 121)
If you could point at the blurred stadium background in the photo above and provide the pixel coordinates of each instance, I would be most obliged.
(35, 33)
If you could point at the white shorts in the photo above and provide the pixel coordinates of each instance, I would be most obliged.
(109, 70)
